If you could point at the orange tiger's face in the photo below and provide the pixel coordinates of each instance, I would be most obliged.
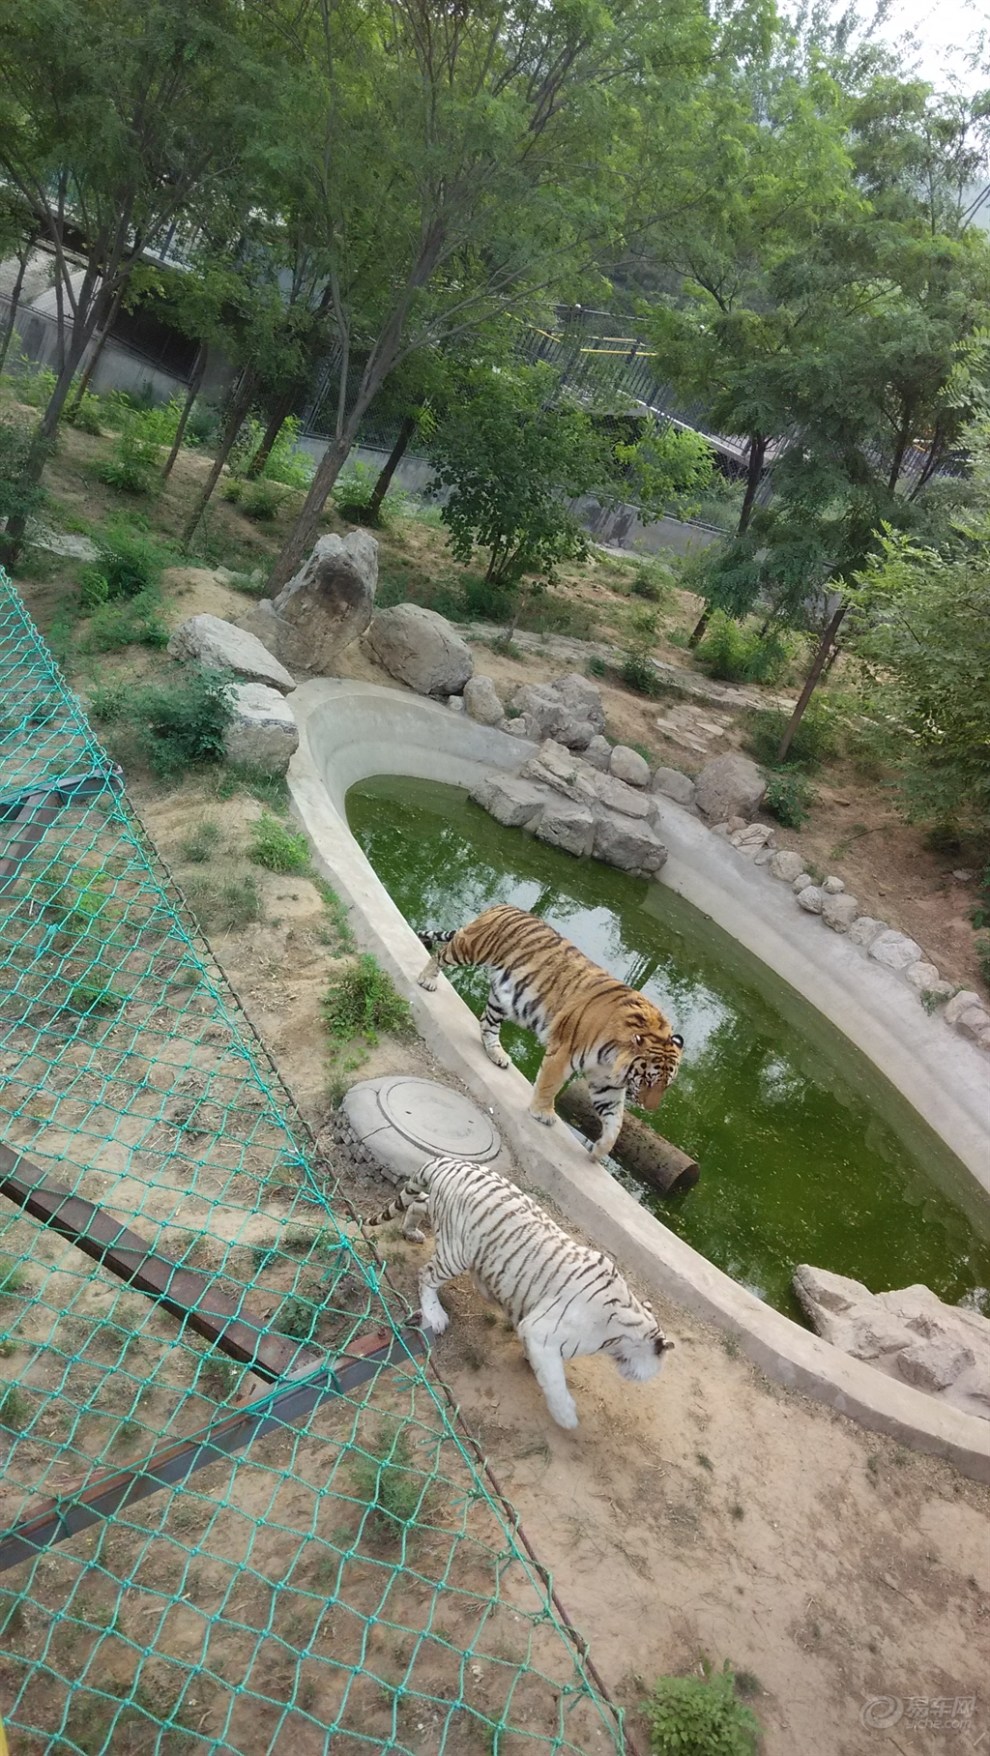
(654, 1064)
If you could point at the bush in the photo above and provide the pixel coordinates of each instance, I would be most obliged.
(278, 848)
(35, 384)
(735, 654)
(597, 667)
(133, 462)
(136, 621)
(637, 673)
(815, 740)
(177, 725)
(700, 1716)
(88, 416)
(261, 500)
(18, 498)
(362, 1000)
(391, 1484)
(128, 563)
(789, 797)
(651, 582)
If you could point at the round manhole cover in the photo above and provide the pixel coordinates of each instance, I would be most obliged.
(437, 1119)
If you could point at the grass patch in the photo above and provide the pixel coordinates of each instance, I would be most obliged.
(789, 796)
(135, 622)
(13, 1277)
(243, 777)
(338, 929)
(202, 843)
(733, 653)
(15, 1409)
(176, 725)
(277, 848)
(227, 905)
(816, 738)
(362, 1000)
(391, 1484)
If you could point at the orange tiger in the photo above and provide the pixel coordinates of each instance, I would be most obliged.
(589, 1022)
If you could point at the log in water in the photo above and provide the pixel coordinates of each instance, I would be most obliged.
(639, 1149)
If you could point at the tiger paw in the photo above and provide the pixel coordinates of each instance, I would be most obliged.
(497, 1057)
(429, 983)
(547, 1117)
(434, 1316)
(565, 1413)
(415, 1236)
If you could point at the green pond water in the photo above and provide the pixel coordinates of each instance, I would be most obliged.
(807, 1153)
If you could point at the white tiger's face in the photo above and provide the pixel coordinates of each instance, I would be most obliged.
(638, 1346)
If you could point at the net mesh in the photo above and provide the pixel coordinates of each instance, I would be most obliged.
(350, 1580)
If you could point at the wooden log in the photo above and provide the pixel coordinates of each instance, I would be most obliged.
(639, 1149)
(191, 1296)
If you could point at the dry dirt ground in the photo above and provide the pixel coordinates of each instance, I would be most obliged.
(710, 1513)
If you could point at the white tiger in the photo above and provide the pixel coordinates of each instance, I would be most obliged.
(563, 1298)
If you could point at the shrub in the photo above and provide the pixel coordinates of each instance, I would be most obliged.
(789, 797)
(203, 842)
(277, 848)
(737, 655)
(983, 953)
(227, 906)
(352, 492)
(135, 622)
(637, 673)
(814, 741)
(88, 416)
(362, 1000)
(596, 666)
(133, 462)
(176, 725)
(700, 1716)
(651, 581)
(128, 563)
(287, 464)
(261, 500)
(18, 498)
(35, 384)
(391, 1484)
(234, 489)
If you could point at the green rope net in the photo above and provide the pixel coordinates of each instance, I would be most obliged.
(349, 1580)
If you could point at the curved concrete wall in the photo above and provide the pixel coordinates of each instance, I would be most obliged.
(350, 731)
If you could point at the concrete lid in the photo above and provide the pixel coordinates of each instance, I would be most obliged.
(403, 1121)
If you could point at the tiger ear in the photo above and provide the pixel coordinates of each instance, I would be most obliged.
(678, 1041)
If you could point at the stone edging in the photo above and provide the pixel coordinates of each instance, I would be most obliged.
(351, 731)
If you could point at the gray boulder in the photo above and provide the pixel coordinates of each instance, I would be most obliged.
(329, 602)
(925, 977)
(968, 1015)
(559, 768)
(812, 898)
(801, 882)
(786, 865)
(633, 847)
(674, 785)
(839, 911)
(615, 795)
(510, 799)
(598, 752)
(481, 701)
(263, 732)
(895, 950)
(833, 887)
(567, 825)
(629, 766)
(908, 1334)
(865, 929)
(730, 786)
(221, 647)
(420, 648)
(582, 700)
(569, 710)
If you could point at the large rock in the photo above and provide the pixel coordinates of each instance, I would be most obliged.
(557, 767)
(263, 732)
(598, 753)
(968, 1015)
(329, 602)
(421, 649)
(569, 710)
(567, 825)
(812, 898)
(895, 950)
(786, 865)
(926, 978)
(221, 647)
(633, 847)
(481, 701)
(839, 911)
(674, 785)
(909, 1334)
(730, 786)
(615, 795)
(865, 929)
(510, 799)
(630, 766)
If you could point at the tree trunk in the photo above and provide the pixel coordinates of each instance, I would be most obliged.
(811, 681)
(395, 456)
(15, 298)
(90, 359)
(237, 411)
(302, 536)
(700, 626)
(754, 470)
(195, 385)
(40, 449)
(276, 421)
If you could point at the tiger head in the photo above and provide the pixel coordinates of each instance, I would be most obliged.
(655, 1055)
(636, 1341)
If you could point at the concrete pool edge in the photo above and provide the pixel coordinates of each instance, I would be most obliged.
(350, 731)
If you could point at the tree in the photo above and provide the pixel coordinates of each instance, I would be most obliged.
(922, 620)
(116, 118)
(455, 161)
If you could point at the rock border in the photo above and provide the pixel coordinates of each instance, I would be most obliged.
(351, 731)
